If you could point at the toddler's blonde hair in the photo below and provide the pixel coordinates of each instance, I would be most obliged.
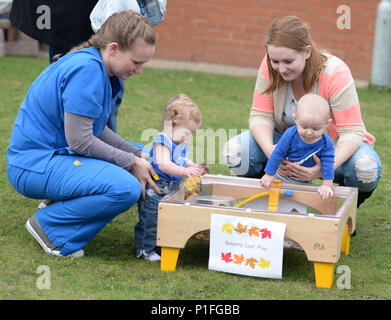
(181, 109)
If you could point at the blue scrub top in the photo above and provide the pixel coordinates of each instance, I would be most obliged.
(77, 83)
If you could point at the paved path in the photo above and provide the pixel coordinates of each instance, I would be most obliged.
(213, 68)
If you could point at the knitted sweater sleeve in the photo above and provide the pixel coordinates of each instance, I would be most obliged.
(262, 109)
(337, 86)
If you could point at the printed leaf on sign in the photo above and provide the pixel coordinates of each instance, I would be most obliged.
(226, 257)
(240, 228)
(264, 264)
(266, 233)
(228, 227)
(251, 262)
(238, 259)
(253, 231)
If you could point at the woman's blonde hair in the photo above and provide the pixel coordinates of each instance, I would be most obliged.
(181, 109)
(122, 27)
(291, 32)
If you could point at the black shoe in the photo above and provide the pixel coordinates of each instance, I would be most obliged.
(256, 176)
(362, 196)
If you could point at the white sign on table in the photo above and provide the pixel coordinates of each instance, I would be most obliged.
(248, 246)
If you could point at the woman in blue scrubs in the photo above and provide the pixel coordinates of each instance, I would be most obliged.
(61, 148)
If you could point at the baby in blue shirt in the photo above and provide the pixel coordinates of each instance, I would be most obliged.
(169, 156)
(304, 140)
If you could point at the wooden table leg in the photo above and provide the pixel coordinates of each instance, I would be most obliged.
(169, 258)
(345, 246)
(324, 274)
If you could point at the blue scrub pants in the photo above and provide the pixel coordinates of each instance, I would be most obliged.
(88, 194)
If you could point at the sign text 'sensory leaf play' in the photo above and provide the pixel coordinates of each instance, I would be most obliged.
(247, 246)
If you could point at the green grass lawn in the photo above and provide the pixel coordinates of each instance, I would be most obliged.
(110, 270)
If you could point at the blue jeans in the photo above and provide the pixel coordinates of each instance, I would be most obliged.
(145, 230)
(88, 194)
(246, 158)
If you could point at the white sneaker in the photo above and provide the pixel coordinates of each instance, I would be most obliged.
(152, 256)
(45, 203)
(36, 231)
(42, 205)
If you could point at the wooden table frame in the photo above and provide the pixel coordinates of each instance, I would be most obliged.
(322, 235)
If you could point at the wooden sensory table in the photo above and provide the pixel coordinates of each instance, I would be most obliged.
(321, 227)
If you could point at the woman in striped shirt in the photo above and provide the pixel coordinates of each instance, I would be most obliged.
(292, 67)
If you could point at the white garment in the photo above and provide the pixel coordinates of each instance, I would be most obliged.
(5, 6)
(290, 107)
(105, 8)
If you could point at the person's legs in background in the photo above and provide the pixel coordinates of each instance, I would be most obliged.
(112, 122)
(244, 157)
(55, 50)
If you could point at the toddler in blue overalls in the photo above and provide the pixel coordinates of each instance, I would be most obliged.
(169, 157)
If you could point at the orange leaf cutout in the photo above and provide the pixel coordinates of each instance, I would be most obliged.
(238, 259)
(240, 228)
(253, 231)
(251, 262)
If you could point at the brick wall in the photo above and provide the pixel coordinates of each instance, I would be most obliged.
(231, 31)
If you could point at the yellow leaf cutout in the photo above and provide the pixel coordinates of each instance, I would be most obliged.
(228, 227)
(78, 163)
(264, 264)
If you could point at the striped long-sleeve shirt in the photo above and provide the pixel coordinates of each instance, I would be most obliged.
(335, 84)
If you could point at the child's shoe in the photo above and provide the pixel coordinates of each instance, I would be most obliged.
(152, 256)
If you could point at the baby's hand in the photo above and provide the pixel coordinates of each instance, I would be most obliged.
(325, 192)
(267, 181)
(204, 168)
(192, 171)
